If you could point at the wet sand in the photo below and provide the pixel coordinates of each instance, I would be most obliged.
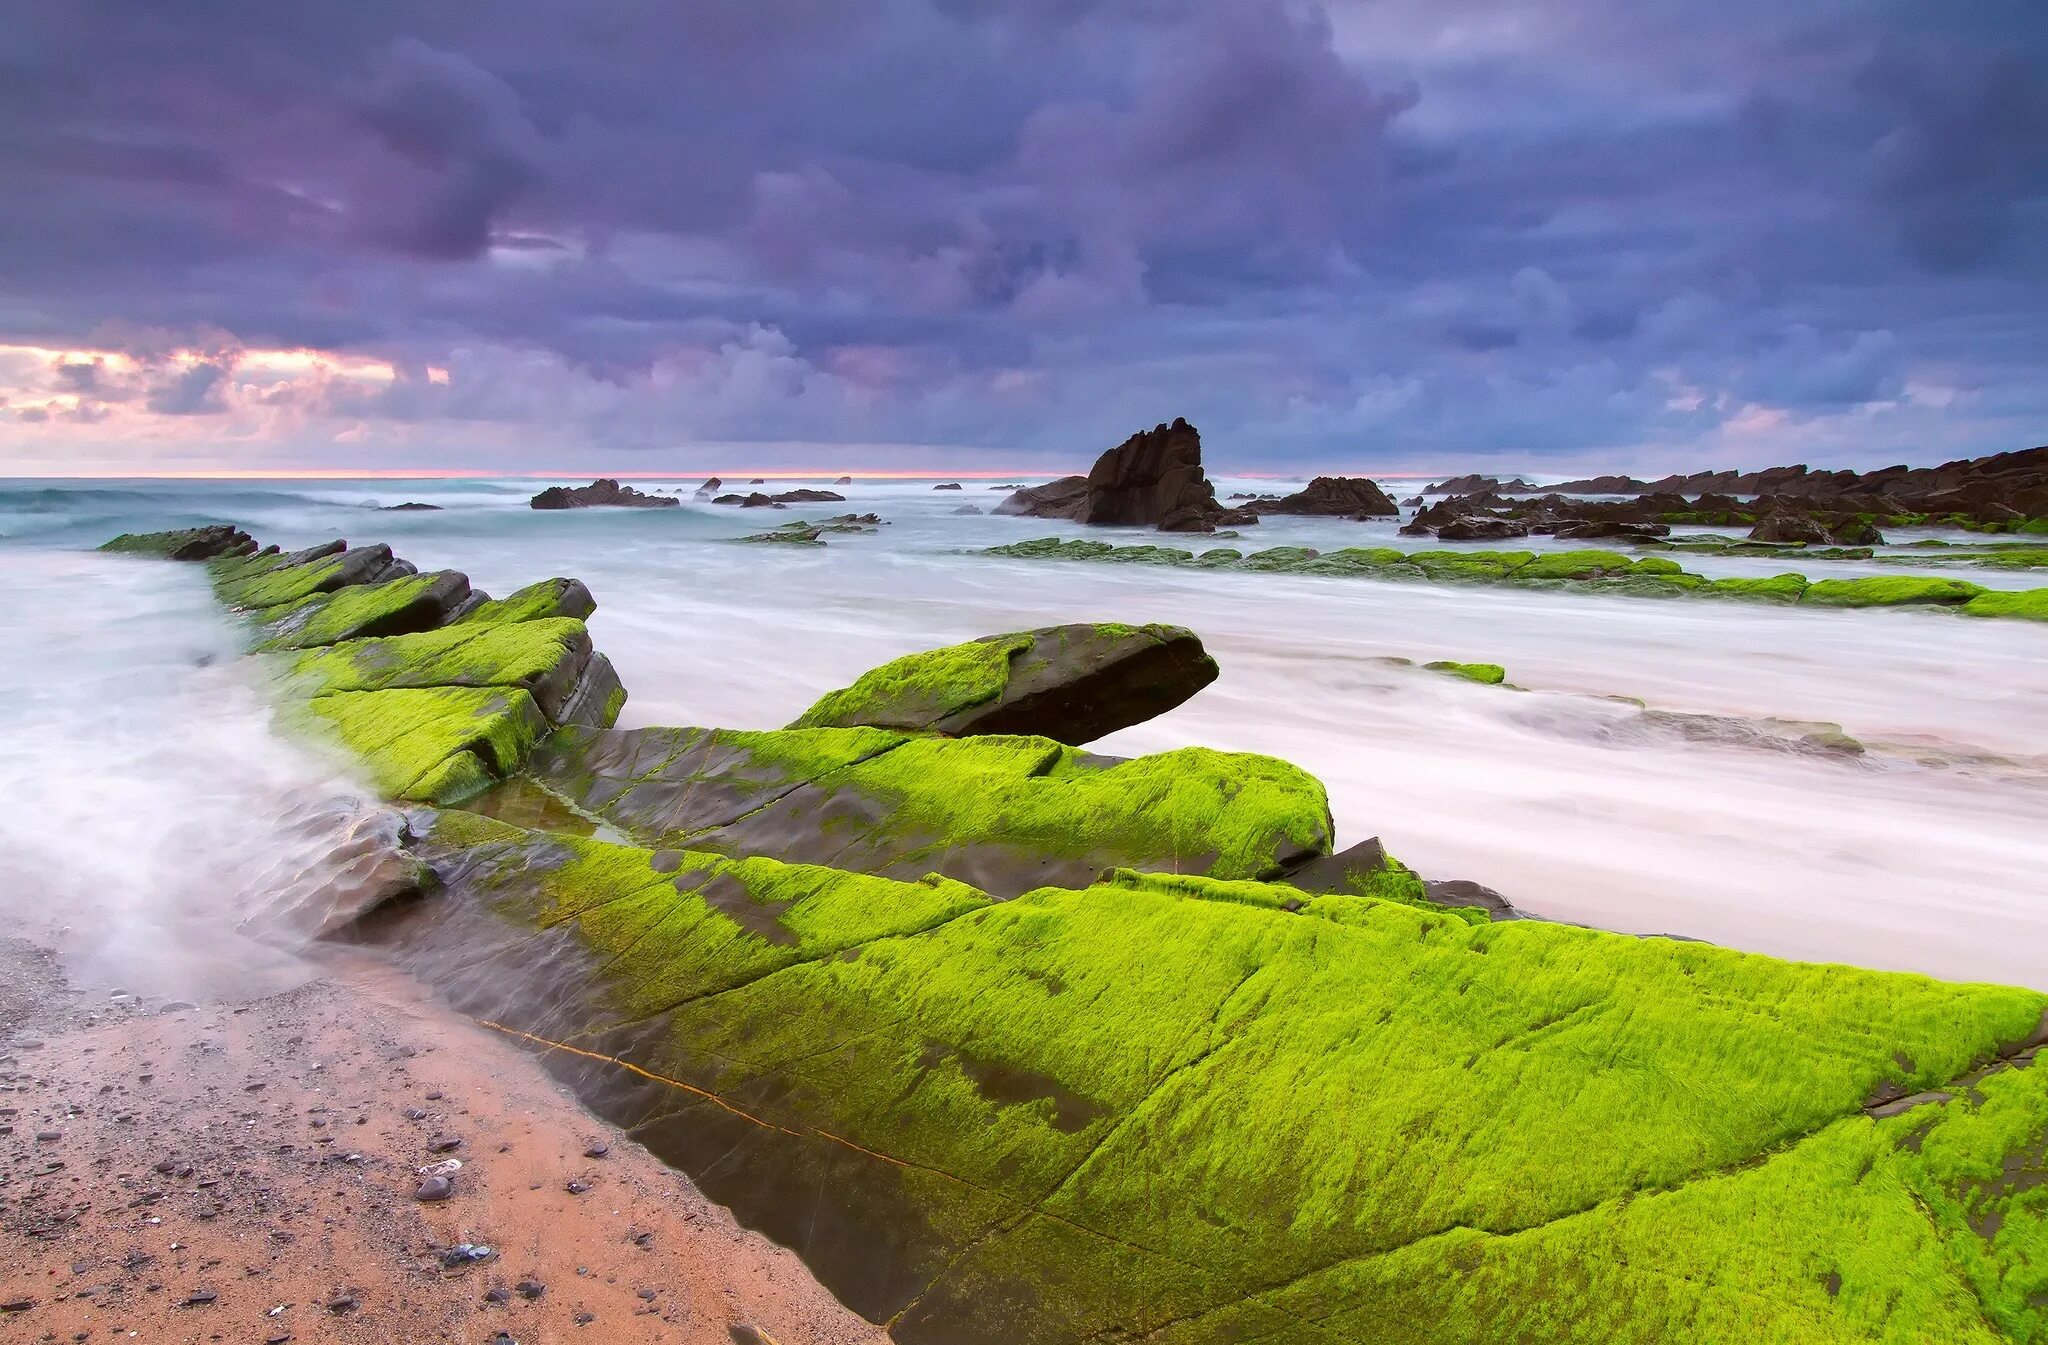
(247, 1172)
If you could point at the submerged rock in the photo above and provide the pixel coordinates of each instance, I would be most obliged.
(210, 542)
(1072, 684)
(602, 493)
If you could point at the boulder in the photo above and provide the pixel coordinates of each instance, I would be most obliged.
(1344, 496)
(1476, 529)
(711, 486)
(1072, 684)
(969, 509)
(1473, 484)
(1790, 530)
(808, 496)
(1597, 528)
(843, 481)
(1064, 498)
(410, 506)
(601, 493)
(950, 485)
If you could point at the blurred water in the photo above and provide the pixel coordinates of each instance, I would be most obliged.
(1927, 854)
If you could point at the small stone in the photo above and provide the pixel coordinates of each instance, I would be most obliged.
(48, 1136)
(441, 1144)
(598, 1150)
(585, 1318)
(577, 1188)
(341, 1303)
(530, 1289)
(435, 1188)
(199, 1298)
(499, 1295)
(415, 1113)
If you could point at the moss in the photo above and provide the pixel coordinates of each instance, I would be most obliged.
(2025, 605)
(919, 689)
(1486, 674)
(1217, 558)
(524, 653)
(1481, 567)
(415, 601)
(274, 586)
(547, 599)
(1149, 555)
(1278, 558)
(1229, 814)
(1889, 591)
(404, 736)
(1268, 1119)
(1586, 565)
(1778, 588)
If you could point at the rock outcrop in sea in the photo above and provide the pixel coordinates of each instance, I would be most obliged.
(1154, 479)
(1016, 1043)
(601, 493)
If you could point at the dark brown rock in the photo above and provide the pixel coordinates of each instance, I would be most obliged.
(601, 493)
(1340, 496)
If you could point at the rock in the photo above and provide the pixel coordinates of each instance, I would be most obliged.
(1153, 479)
(710, 487)
(1597, 529)
(843, 481)
(1413, 502)
(950, 485)
(791, 536)
(601, 493)
(758, 481)
(1470, 529)
(1338, 496)
(807, 496)
(1072, 684)
(1064, 498)
(435, 1188)
(211, 542)
(361, 866)
(410, 506)
(968, 509)
(597, 1150)
(1790, 529)
(1474, 485)
(1462, 892)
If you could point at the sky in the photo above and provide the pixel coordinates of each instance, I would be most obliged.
(1362, 235)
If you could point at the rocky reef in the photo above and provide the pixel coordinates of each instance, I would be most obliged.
(1588, 571)
(1018, 1044)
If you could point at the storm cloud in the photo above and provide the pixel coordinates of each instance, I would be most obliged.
(1379, 234)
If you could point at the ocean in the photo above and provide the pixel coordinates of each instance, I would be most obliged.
(1640, 775)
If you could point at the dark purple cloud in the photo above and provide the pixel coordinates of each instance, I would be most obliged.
(1380, 232)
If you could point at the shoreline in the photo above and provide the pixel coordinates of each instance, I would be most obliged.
(246, 1170)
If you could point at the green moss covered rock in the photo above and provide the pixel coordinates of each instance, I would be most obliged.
(1890, 591)
(1174, 1108)
(1002, 813)
(1072, 684)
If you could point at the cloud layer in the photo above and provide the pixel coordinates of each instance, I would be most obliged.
(1382, 234)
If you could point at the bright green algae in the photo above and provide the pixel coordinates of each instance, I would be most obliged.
(1252, 1121)
(536, 602)
(1586, 570)
(932, 799)
(404, 735)
(345, 613)
(922, 687)
(1486, 674)
(473, 655)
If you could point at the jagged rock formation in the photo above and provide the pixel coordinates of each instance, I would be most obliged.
(1996, 489)
(1072, 684)
(1344, 496)
(1153, 479)
(843, 481)
(874, 990)
(1589, 571)
(603, 492)
(712, 485)
(753, 499)
(808, 496)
